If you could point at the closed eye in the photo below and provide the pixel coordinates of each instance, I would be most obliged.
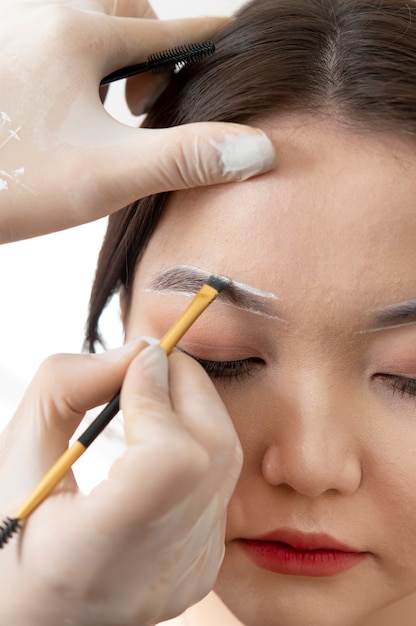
(399, 384)
(238, 369)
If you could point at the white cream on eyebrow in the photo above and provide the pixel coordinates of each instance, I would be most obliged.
(379, 328)
(267, 295)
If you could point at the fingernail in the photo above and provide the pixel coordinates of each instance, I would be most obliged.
(155, 365)
(152, 341)
(244, 155)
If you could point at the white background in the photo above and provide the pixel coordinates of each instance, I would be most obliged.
(45, 282)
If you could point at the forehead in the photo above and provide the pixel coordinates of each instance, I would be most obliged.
(338, 212)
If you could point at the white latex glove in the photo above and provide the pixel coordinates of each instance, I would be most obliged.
(63, 160)
(147, 542)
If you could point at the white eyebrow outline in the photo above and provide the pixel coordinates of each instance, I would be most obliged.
(187, 279)
(392, 316)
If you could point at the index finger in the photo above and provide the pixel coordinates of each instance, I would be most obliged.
(128, 8)
(132, 8)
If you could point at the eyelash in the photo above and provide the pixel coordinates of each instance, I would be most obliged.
(400, 384)
(228, 370)
(243, 368)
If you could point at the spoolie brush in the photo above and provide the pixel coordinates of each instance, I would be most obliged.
(206, 294)
(173, 59)
(7, 529)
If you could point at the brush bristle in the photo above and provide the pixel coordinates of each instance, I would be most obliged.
(178, 57)
(7, 529)
(218, 282)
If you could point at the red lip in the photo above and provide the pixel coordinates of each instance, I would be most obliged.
(294, 553)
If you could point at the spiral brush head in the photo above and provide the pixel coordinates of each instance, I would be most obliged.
(165, 61)
(176, 58)
(7, 529)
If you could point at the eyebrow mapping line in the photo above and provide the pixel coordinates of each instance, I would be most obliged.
(392, 316)
(187, 279)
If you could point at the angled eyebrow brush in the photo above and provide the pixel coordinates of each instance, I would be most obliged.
(204, 297)
(173, 59)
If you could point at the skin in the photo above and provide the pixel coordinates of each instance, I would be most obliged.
(328, 440)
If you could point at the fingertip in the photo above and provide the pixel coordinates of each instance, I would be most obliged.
(151, 341)
(208, 153)
(148, 373)
(244, 154)
(153, 359)
(128, 350)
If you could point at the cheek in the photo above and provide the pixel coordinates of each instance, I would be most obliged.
(387, 502)
(389, 477)
(249, 405)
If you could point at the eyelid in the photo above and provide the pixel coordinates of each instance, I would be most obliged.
(219, 352)
(216, 354)
(405, 367)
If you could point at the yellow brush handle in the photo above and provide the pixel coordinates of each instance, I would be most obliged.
(51, 479)
(202, 300)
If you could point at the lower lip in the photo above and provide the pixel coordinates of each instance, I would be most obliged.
(283, 559)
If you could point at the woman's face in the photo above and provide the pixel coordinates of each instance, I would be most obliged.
(321, 375)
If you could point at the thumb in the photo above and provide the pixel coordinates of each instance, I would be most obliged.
(145, 395)
(206, 154)
(151, 161)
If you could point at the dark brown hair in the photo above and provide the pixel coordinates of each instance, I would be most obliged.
(353, 59)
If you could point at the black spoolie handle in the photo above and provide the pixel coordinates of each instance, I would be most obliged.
(7, 529)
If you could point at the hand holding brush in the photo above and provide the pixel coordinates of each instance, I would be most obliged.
(103, 558)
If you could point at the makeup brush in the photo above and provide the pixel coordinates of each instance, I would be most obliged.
(206, 294)
(173, 59)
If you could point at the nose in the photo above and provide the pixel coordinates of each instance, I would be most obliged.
(314, 448)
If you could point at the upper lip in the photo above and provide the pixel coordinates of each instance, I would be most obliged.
(304, 541)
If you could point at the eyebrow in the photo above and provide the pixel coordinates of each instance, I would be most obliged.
(188, 280)
(392, 315)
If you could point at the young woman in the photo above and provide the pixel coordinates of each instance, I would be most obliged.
(313, 349)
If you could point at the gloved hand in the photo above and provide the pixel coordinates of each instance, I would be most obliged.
(64, 160)
(147, 542)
